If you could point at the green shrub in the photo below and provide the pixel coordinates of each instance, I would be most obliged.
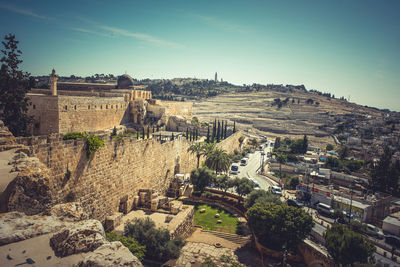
(133, 246)
(158, 244)
(74, 135)
(93, 143)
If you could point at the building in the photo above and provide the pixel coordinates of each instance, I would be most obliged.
(81, 107)
(391, 225)
(216, 77)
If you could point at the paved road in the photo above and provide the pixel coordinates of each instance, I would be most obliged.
(254, 163)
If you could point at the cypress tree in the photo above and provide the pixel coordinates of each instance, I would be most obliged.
(172, 137)
(187, 133)
(143, 132)
(153, 129)
(222, 130)
(208, 134)
(148, 132)
(234, 126)
(137, 135)
(218, 132)
(191, 134)
(226, 128)
(213, 133)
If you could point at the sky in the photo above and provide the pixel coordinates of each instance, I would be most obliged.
(349, 48)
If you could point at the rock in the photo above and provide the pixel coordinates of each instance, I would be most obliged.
(110, 255)
(17, 226)
(217, 215)
(69, 212)
(6, 137)
(176, 121)
(202, 210)
(81, 237)
(30, 190)
(219, 221)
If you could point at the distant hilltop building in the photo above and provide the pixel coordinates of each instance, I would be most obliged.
(216, 77)
(77, 107)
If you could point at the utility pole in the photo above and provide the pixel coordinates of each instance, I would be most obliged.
(351, 200)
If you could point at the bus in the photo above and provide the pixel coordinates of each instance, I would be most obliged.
(325, 209)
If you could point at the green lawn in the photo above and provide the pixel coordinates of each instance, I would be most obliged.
(208, 221)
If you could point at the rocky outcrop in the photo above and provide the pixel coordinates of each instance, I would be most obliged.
(110, 255)
(81, 237)
(30, 190)
(7, 140)
(16, 226)
(71, 236)
(176, 122)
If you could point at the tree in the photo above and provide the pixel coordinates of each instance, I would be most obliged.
(218, 132)
(208, 134)
(223, 182)
(304, 144)
(226, 128)
(241, 139)
(218, 160)
(385, 175)
(243, 186)
(344, 152)
(201, 177)
(277, 226)
(329, 147)
(281, 158)
(196, 148)
(234, 126)
(262, 197)
(347, 247)
(158, 243)
(254, 142)
(14, 84)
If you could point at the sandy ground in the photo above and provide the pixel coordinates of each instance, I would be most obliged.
(5, 176)
(38, 249)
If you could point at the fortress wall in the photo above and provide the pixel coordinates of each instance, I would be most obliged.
(44, 108)
(118, 170)
(87, 113)
(231, 143)
(184, 109)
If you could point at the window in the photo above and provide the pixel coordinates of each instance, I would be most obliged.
(75, 107)
(88, 107)
(101, 106)
(34, 106)
(111, 106)
(66, 107)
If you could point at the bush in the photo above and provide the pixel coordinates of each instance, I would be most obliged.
(207, 194)
(158, 244)
(133, 246)
(93, 143)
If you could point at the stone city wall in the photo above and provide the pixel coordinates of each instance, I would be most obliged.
(87, 113)
(44, 108)
(115, 173)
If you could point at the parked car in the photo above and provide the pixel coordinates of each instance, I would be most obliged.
(294, 203)
(244, 161)
(374, 231)
(393, 240)
(234, 169)
(276, 190)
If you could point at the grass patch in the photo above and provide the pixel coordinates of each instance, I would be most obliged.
(208, 221)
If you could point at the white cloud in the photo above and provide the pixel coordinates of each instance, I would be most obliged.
(220, 24)
(21, 11)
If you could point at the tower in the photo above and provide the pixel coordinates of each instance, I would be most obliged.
(53, 82)
(216, 77)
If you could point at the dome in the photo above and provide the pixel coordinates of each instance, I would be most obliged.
(124, 81)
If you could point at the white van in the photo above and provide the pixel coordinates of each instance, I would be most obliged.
(325, 209)
(234, 169)
(375, 231)
(244, 161)
(276, 190)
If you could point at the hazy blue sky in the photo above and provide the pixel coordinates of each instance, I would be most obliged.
(343, 47)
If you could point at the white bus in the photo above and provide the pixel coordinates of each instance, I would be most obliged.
(325, 209)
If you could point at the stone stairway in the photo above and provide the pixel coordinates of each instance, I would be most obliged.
(241, 240)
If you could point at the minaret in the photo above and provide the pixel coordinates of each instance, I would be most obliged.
(53, 82)
(216, 77)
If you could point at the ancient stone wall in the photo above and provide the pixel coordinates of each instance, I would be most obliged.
(44, 108)
(83, 113)
(231, 143)
(116, 172)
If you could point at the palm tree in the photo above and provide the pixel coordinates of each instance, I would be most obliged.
(254, 142)
(196, 148)
(281, 158)
(218, 160)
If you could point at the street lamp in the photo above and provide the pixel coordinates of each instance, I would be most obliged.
(351, 200)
